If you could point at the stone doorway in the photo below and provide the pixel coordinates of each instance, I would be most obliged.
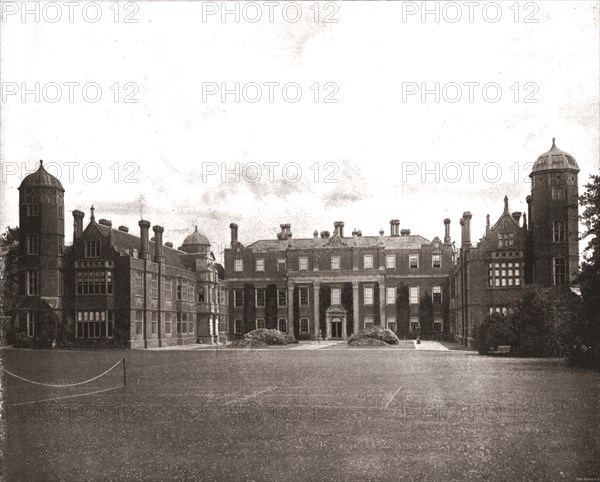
(336, 323)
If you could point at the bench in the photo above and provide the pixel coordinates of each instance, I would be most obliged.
(500, 350)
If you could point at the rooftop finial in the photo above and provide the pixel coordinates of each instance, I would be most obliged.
(41, 163)
(196, 228)
(92, 212)
(554, 142)
(505, 203)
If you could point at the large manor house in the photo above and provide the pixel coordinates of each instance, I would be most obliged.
(112, 287)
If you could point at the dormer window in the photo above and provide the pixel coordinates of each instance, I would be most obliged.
(436, 260)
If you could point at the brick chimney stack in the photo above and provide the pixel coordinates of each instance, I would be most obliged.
(144, 227)
(77, 224)
(466, 219)
(158, 243)
(395, 227)
(447, 239)
(234, 234)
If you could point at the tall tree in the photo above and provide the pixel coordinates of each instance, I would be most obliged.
(588, 334)
(9, 287)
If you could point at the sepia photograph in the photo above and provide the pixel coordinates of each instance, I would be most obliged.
(299, 241)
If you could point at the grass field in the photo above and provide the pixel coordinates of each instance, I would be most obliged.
(285, 415)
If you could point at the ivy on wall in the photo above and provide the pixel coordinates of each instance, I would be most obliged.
(271, 307)
(324, 302)
(249, 311)
(426, 313)
(402, 309)
(376, 310)
(349, 307)
(296, 312)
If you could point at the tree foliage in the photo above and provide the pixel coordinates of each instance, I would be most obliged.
(9, 287)
(585, 349)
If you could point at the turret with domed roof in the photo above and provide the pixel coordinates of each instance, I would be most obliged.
(41, 245)
(554, 218)
(196, 243)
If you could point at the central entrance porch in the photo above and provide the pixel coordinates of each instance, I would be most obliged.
(336, 319)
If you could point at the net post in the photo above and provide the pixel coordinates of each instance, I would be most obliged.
(124, 374)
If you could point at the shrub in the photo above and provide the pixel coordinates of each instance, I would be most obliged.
(247, 343)
(305, 336)
(269, 337)
(290, 339)
(388, 337)
(367, 342)
(495, 329)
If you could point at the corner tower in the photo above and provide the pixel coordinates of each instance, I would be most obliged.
(41, 245)
(554, 218)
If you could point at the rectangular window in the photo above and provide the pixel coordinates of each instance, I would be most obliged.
(303, 296)
(413, 324)
(92, 249)
(368, 292)
(436, 296)
(414, 295)
(184, 323)
(504, 274)
(282, 325)
(260, 297)
(33, 210)
(368, 322)
(558, 193)
(413, 260)
(335, 262)
(33, 245)
(368, 261)
(94, 324)
(32, 283)
(191, 291)
(61, 211)
(238, 298)
(336, 296)
(31, 319)
(505, 240)
(139, 322)
(281, 265)
(178, 322)
(96, 282)
(168, 289)
(303, 264)
(281, 297)
(436, 260)
(391, 323)
(260, 264)
(303, 325)
(260, 323)
(437, 323)
(154, 322)
(179, 289)
(558, 231)
(390, 261)
(390, 295)
(560, 272)
(168, 323)
(238, 264)
(154, 286)
(139, 284)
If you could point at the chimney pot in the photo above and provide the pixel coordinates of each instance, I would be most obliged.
(77, 224)
(169, 244)
(125, 229)
(447, 239)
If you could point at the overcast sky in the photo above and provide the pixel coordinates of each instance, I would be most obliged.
(359, 118)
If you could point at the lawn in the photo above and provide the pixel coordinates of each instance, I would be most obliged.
(286, 415)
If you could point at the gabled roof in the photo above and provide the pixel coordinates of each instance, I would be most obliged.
(124, 243)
